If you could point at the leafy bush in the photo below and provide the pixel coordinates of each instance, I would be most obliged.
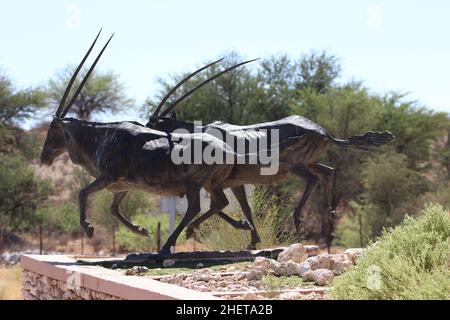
(391, 189)
(20, 191)
(411, 261)
(64, 218)
(354, 229)
(30, 144)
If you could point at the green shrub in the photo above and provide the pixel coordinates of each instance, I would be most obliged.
(30, 144)
(64, 218)
(20, 192)
(411, 261)
(353, 230)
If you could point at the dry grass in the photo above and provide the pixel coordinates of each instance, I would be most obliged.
(274, 215)
(10, 284)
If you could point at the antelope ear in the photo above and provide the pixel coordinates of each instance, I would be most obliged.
(57, 122)
(172, 115)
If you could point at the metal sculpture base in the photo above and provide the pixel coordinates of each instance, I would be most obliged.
(154, 259)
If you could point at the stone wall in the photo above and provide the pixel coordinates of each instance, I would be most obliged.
(40, 287)
(61, 277)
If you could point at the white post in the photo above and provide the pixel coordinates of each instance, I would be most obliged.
(171, 206)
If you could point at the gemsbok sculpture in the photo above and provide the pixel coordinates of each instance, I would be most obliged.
(127, 156)
(299, 158)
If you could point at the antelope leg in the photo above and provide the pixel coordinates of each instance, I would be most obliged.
(218, 202)
(241, 196)
(311, 183)
(234, 223)
(243, 225)
(118, 197)
(98, 184)
(193, 198)
(327, 174)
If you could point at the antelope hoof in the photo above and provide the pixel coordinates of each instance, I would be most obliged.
(251, 246)
(89, 230)
(143, 232)
(165, 250)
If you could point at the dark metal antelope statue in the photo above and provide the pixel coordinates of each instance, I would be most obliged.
(299, 159)
(126, 156)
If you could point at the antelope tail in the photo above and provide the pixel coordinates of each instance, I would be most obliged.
(365, 141)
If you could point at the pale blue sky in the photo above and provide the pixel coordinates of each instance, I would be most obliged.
(390, 45)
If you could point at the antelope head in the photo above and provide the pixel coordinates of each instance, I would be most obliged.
(57, 138)
(158, 120)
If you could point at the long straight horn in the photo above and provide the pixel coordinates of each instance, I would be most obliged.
(158, 108)
(69, 86)
(174, 104)
(75, 96)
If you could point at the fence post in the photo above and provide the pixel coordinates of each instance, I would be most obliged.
(82, 241)
(114, 240)
(171, 206)
(1, 240)
(158, 237)
(41, 245)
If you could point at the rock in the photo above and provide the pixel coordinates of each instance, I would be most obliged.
(303, 267)
(177, 278)
(249, 296)
(261, 262)
(289, 296)
(340, 263)
(259, 268)
(136, 270)
(167, 263)
(255, 274)
(295, 252)
(200, 265)
(222, 284)
(289, 268)
(276, 267)
(354, 254)
(202, 288)
(239, 276)
(321, 277)
(10, 258)
(321, 261)
(203, 275)
(312, 250)
(313, 296)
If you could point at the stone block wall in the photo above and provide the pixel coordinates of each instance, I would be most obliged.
(40, 287)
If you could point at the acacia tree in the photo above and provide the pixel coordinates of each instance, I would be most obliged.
(307, 86)
(102, 93)
(16, 105)
(227, 98)
(20, 191)
(317, 70)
